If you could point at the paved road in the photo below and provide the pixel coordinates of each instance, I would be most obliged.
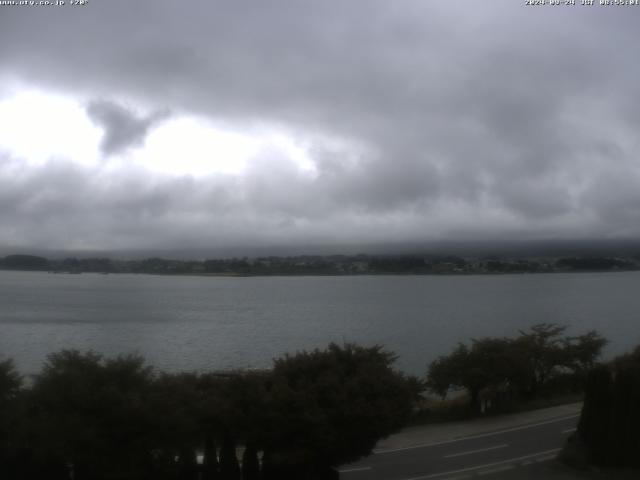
(470, 456)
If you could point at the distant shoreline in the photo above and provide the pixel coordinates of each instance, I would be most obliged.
(327, 265)
(364, 274)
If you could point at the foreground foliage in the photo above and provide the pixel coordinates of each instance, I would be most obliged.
(495, 372)
(90, 417)
(609, 426)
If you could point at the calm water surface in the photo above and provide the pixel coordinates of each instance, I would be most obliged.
(185, 323)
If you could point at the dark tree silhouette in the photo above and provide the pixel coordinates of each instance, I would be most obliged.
(95, 418)
(24, 262)
(490, 369)
(90, 415)
(329, 407)
(210, 467)
(229, 466)
(610, 421)
(499, 369)
(10, 392)
(250, 463)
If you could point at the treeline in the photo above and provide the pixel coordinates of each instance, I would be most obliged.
(88, 417)
(609, 428)
(321, 265)
(497, 373)
(24, 262)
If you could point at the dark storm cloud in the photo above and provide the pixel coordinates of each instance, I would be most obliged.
(122, 127)
(452, 119)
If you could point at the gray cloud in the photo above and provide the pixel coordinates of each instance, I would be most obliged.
(470, 121)
(122, 127)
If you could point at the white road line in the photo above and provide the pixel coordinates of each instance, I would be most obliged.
(359, 469)
(569, 430)
(545, 458)
(476, 451)
(472, 437)
(497, 470)
(486, 465)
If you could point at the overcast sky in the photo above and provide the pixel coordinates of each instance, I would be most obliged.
(204, 124)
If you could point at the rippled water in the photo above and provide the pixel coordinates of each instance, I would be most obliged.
(181, 323)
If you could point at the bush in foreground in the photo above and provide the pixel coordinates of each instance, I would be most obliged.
(495, 372)
(609, 427)
(93, 418)
(330, 407)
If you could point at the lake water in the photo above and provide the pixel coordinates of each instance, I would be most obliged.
(197, 323)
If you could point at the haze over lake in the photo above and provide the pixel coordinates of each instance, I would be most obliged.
(194, 323)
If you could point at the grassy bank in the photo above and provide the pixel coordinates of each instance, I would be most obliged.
(435, 410)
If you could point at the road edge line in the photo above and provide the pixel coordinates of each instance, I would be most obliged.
(472, 437)
(486, 465)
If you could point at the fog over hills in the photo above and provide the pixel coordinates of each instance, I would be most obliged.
(514, 249)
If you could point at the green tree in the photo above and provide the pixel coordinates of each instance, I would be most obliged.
(328, 407)
(210, 467)
(582, 352)
(488, 370)
(10, 391)
(609, 424)
(90, 414)
(545, 350)
(24, 262)
(175, 405)
(446, 371)
(229, 466)
(593, 425)
(497, 370)
(250, 463)
(10, 381)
